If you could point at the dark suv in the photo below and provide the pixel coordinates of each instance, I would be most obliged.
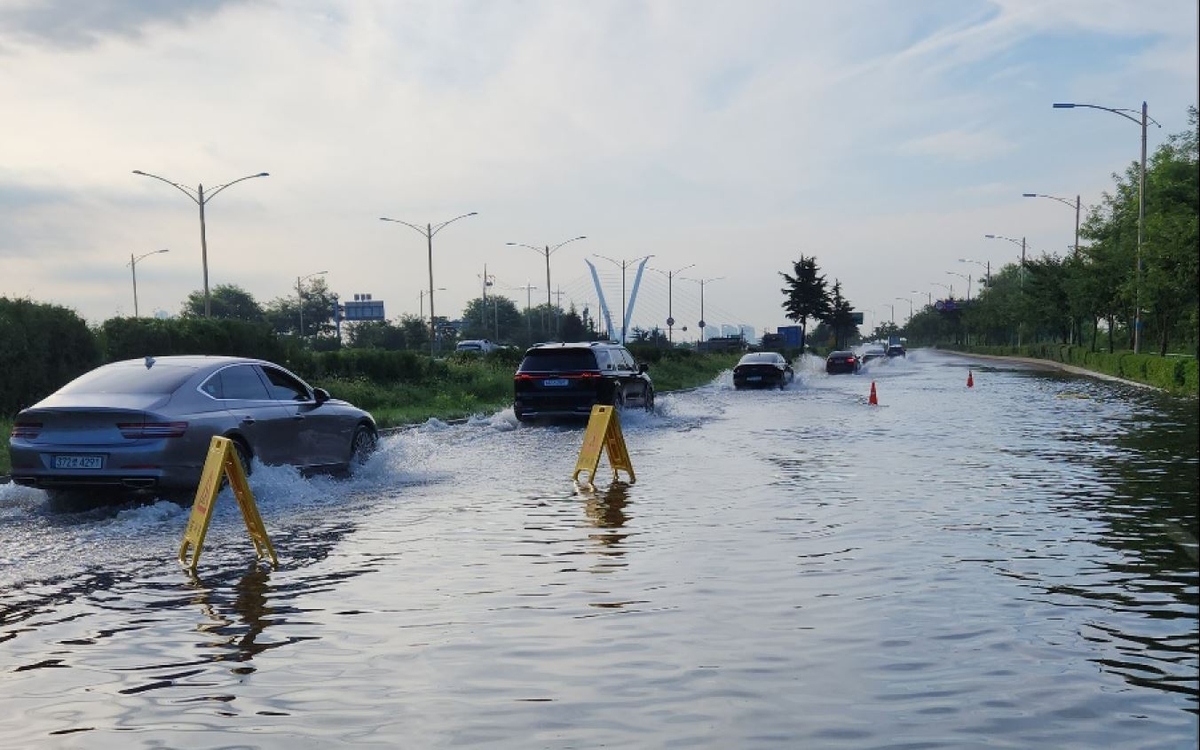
(565, 380)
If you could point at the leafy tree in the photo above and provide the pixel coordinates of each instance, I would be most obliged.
(284, 312)
(805, 295)
(376, 334)
(499, 320)
(226, 301)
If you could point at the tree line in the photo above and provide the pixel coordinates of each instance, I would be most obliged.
(1091, 295)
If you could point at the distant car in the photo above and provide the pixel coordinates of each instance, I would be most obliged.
(143, 426)
(871, 353)
(895, 350)
(762, 370)
(842, 362)
(564, 381)
(482, 346)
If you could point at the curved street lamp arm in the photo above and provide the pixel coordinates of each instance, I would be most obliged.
(1002, 237)
(564, 242)
(617, 263)
(147, 255)
(670, 274)
(1116, 111)
(444, 224)
(540, 251)
(212, 194)
(1069, 204)
(186, 191)
(405, 223)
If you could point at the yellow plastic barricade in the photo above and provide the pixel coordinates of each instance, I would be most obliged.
(223, 461)
(603, 432)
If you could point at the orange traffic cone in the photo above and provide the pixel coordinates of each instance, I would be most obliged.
(874, 399)
(970, 380)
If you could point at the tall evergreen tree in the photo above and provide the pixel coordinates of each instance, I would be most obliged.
(805, 295)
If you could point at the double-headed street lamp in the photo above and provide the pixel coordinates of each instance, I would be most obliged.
(428, 231)
(133, 269)
(1066, 203)
(300, 296)
(1141, 226)
(670, 313)
(1021, 243)
(702, 282)
(624, 264)
(547, 251)
(200, 199)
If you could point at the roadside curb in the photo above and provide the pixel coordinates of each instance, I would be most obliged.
(1050, 364)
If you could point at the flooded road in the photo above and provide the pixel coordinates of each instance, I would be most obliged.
(1009, 565)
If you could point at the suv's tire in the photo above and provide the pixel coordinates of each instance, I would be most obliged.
(648, 402)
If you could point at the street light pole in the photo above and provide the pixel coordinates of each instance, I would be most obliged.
(428, 231)
(1076, 205)
(928, 293)
(910, 306)
(133, 269)
(987, 267)
(702, 282)
(547, 251)
(201, 200)
(1141, 227)
(421, 300)
(892, 306)
(670, 311)
(300, 297)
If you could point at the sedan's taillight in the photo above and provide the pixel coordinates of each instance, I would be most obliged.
(26, 430)
(146, 430)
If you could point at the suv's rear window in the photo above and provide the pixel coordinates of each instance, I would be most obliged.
(555, 360)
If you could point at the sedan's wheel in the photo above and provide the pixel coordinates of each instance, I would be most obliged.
(243, 454)
(362, 445)
(648, 402)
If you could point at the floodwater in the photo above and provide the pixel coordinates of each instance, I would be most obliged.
(1012, 565)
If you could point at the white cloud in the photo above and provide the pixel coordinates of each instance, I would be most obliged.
(734, 136)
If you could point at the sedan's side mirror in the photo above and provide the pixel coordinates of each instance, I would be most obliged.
(321, 395)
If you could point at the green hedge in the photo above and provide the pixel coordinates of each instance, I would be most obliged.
(1175, 374)
(41, 348)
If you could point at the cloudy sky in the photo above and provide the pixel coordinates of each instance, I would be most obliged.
(883, 137)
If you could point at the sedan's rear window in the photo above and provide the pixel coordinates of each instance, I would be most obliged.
(136, 378)
(555, 360)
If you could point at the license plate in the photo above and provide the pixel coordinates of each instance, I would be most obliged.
(754, 377)
(79, 462)
(554, 382)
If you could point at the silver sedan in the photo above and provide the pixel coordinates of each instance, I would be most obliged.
(144, 426)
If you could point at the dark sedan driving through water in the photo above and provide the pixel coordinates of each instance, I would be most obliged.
(143, 426)
(762, 370)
